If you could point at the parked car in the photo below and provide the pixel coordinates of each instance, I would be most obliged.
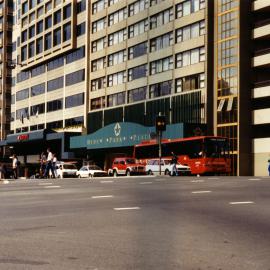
(126, 166)
(152, 167)
(66, 170)
(91, 171)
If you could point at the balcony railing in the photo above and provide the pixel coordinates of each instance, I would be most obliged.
(261, 84)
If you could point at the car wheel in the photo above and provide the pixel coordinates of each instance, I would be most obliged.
(167, 172)
(115, 173)
(149, 172)
(128, 173)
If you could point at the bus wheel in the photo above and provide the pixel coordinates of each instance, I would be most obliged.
(128, 173)
(115, 173)
(149, 172)
(167, 172)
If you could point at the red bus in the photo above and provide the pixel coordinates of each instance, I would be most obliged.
(207, 155)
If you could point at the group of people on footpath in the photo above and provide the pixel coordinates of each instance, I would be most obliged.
(48, 164)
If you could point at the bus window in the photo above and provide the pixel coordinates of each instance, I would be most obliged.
(216, 147)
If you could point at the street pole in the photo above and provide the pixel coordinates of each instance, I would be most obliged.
(159, 149)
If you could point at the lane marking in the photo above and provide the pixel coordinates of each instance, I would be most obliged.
(126, 208)
(213, 178)
(254, 179)
(44, 184)
(247, 202)
(52, 186)
(107, 181)
(146, 183)
(102, 196)
(197, 181)
(201, 191)
(159, 180)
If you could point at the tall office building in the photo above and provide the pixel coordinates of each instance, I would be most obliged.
(83, 65)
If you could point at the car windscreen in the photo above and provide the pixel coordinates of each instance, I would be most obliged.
(216, 147)
(94, 167)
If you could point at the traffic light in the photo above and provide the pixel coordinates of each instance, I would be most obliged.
(160, 123)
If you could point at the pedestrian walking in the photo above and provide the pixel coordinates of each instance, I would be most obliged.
(15, 164)
(49, 166)
(54, 164)
(173, 163)
(42, 161)
(269, 167)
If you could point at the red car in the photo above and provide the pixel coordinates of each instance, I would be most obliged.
(126, 166)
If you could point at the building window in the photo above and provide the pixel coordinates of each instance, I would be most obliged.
(55, 105)
(98, 103)
(161, 18)
(137, 50)
(117, 37)
(161, 65)
(190, 57)
(37, 109)
(98, 6)
(81, 29)
(67, 11)
(99, 25)
(24, 36)
(57, 36)
(48, 41)
(48, 22)
(137, 28)
(161, 42)
(116, 78)
(31, 31)
(160, 89)
(137, 94)
(155, 2)
(38, 70)
(99, 44)
(55, 124)
(116, 99)
(75, 55)
(57, 17)
(188, 7)
(56, 63)
(190, 31)
(66, 32)
(74, 100)
(98, 83)
(76, 121)
(81, 6)
(98, 64)
(22, 113)
(137, 7)
(55, 84)
(188, 83)
(117, 58)
(137, 72)
(39, 45)
(24, 53)
(31, 49)
(112, 2)
(75, 77)
(117, 16)
(22, 94)
(37, 89)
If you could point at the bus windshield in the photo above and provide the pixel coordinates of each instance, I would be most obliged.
(216, 147)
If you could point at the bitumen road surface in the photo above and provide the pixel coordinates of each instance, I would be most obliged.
(157, 223)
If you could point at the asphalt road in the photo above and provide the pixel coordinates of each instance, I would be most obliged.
(160, 223)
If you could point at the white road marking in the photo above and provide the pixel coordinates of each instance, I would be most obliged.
(108, 181)
(103, 196)
(197, 181)
(52, 186)
(44, 184)
(254, 179)
(201, 191)
(127, 208)
(146, 183)
(160, 180)
(247, 202)
(213, 178)
(5, 182)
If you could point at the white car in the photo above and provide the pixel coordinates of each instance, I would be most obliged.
(66, 170)
(152, 167)
(91, 171)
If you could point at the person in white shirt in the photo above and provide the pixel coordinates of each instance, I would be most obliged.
(14, 165)
(49, 166)
(54, 164)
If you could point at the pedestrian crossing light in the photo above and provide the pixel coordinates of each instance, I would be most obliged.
(160, 123)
